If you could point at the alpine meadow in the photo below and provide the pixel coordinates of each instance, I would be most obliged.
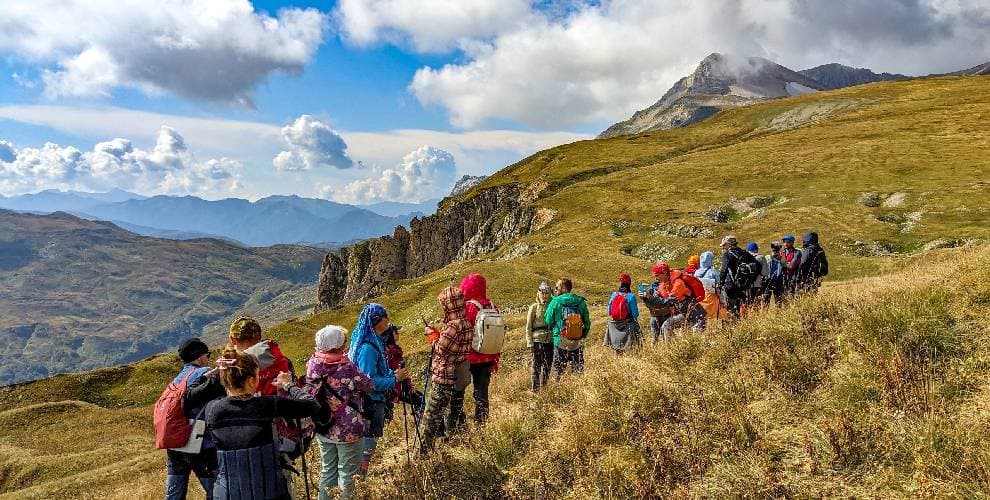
(877, 386)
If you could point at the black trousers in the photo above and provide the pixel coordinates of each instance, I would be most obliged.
(773, 290)
(542, 362)
(733, 299)
(481, 378)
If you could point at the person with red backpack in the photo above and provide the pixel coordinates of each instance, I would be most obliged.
(172, 414)
(622, 330)
(683, 293)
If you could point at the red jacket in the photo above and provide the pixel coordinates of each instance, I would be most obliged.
(474, 287)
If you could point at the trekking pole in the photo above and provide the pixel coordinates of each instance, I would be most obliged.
(405, 430)
(305, 468)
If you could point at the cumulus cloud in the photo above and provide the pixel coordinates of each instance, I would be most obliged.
(213, 50)
(169, 167)
(426, 25)
(427, 172)
(312, 144)
(602, 61)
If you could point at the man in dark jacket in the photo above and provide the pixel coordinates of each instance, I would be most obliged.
(195, 355)
(732, 256)
(814, 264)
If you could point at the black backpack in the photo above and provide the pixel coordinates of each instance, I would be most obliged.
(748, 269)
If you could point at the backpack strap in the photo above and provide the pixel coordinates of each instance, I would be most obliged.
(333, 392)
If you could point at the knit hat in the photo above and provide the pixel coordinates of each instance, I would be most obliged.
(729, 240)
(625, 279)
(752, 247)
(330, 337)
(694, 260)
(245, 328)
(544, 287)
(191, 349)
(788, 237)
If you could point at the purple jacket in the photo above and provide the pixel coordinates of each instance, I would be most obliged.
(345, 378)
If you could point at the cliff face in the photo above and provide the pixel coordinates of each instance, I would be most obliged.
(460, 230)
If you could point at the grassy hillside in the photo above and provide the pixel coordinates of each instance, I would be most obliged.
(875, 388)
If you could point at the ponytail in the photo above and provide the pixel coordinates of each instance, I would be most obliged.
(236, 368)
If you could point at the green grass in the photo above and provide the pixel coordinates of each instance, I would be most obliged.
(875, 388)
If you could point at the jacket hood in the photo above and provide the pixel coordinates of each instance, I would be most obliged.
(322, 364)
(264, 352)
(569, 299)
(810, 239)
(539, 299)
(452, 301)
(474, 287)
(707, 259)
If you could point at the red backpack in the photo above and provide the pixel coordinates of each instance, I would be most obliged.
(171, 427)
(618, 308)
(696, 286)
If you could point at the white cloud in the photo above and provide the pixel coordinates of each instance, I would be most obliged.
(169, 167)
(213, 50)
(428, 172)
(312, 145)
(599, 63)
(427, 25)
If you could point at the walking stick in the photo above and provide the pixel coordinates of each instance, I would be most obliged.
(405, 429)
(305, 468)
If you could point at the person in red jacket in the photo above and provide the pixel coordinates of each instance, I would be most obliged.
(475, 289)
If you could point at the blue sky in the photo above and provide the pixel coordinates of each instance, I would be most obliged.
(371, 100)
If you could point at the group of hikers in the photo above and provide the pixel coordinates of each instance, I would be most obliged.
(241, 425)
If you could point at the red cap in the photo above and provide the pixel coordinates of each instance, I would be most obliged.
(624, 278)
(661, 268)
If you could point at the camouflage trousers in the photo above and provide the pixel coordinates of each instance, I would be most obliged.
(442, 416)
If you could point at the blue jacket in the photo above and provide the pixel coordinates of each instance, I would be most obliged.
(372, 363)
(630, 300)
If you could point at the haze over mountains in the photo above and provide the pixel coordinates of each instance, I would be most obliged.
(268, 221)
(723, 81)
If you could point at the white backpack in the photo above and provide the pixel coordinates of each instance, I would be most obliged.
(489, 330)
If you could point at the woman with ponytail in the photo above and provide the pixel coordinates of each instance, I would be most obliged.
(368, 353)
(242, 425)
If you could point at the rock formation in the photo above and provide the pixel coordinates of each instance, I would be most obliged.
(459, 230)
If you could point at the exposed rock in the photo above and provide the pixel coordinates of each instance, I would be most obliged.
(681, 231)
(895, 200)
(837, 76)
(460, 230)
(465, 183)
(520, 249)
(869, 199)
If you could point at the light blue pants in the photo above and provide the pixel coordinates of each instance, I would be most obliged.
(341, 462)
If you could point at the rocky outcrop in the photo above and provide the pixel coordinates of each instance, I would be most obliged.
(459, 230)
(465, 183)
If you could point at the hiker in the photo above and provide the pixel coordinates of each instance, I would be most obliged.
(755, 291)
(682, 293)
(241, 426)
(337, 385)
(773, 282)
(622, 330)
(814, 264)
(405, 393)
(658, 314)
(739, 271)
(245, 335)
(448, 379)
(694, 262)
(791, 257)
(539, 338)
(714, 308)
(483, 366)
(195, 356)
(368, 353)
(568, 315)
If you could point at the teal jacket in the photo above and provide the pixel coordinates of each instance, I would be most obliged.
(555, 313)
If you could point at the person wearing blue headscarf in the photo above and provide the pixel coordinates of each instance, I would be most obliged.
(368, 353)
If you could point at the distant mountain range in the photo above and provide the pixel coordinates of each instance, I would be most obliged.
(268, 221)
(724, 81)
(78, 294)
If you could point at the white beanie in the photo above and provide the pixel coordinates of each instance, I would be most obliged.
(330, 337)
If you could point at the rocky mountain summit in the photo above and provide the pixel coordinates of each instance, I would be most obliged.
(720, 81)
(465, 183)
(837, 76)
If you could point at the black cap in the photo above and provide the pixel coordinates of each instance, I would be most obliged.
(192, 349)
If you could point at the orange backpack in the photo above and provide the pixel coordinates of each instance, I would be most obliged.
(573, 324)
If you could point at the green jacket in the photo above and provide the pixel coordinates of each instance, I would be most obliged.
(555, 313)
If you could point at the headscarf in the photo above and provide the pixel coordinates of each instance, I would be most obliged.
(364, 331)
